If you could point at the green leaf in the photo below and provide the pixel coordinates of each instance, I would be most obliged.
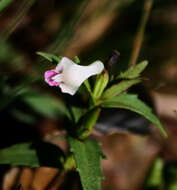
(76, 60)
(175, 112)
(100, 84)
(50, 57)
(46, 105)
(155, 176)
(4, 4)
(133, 72)
(77, 113)
(88, 155)
(89, 90)
(32, 155)
(116, 89)
(87, 122)
(88, 87)
(22, 116)
(131, 102)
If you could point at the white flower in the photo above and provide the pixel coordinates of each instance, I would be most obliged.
(69, 76)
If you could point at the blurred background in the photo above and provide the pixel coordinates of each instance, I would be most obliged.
(90, 29)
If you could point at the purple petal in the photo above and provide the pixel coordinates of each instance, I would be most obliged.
(48, 77)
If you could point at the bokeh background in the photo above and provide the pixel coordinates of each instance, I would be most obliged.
(90, 29)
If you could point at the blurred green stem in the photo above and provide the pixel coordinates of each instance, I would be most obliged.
(69, 162)
(67, 30)
(140, 32)
(14, 23)
(88, 87)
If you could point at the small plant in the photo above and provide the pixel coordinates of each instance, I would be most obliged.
(106, 90)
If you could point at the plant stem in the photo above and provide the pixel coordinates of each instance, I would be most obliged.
(67, 30)
(14, 23)
(88, 87)
(140, 32)
(69, 162)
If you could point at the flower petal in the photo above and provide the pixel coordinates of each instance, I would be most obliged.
(69, 76)
(68, 89)
(58, 78)
(64, 64)
(48, 77)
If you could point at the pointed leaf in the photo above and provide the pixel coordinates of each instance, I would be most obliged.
(33, 155)
(46, 104)
(116, 89)
(49, 57)
(4, 4)
(77, 112)
(155, 175)
(76, 60)
(100, 84)
(131, 102)
(133, 72)
(88, 87)
(88, 156)
(89, 90)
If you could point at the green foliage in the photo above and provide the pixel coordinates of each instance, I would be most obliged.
(87, 122)
(155, 176)
(15, 59)
(8, 94)
(64, 36)
(161, 175)
(87, 85)
(50, 57)
(116, 89)
(4, 4)
(100, 84)
(131, 102)
(77, 113)
(88, 155)
(134, 71)
(76, 60)
(32, 155)
(20, 115)
(46, 104)
(89, 90)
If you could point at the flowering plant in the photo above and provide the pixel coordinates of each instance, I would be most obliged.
(98, 87)
(69, 76)
(107, 90)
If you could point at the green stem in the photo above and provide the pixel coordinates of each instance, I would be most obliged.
(67, 30)
(140, 32)
(14, 23)
(69, 162)
(88, 87)
(87, 123)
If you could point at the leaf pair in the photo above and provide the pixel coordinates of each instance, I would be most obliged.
(134, 71)
(130, 77)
